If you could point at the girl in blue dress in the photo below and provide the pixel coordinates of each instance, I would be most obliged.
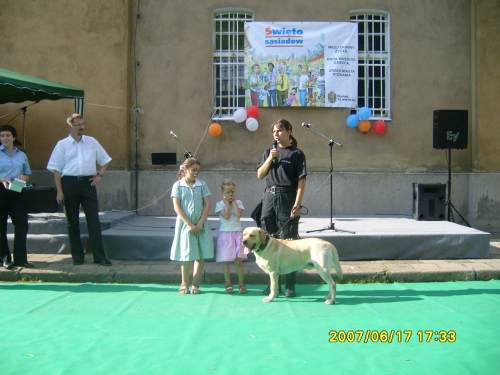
(193, 242)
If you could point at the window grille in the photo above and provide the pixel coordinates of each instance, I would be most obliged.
(374, 63)
(228, 67)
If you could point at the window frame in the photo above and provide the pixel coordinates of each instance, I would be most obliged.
(380, 60)
(231, 58)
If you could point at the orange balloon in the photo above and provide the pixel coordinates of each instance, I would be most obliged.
(364, 126)
(215, 129)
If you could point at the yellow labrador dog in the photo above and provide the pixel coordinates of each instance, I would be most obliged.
(277, 257)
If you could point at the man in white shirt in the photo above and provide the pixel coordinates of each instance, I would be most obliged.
(74, 162)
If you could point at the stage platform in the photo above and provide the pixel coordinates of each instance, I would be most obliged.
(135, 237)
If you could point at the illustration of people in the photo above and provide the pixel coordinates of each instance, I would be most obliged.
(271, 86)
(292, 98)
(255, 84)
(311, 92)
(303, 83)
(282, 86)
(320, 81)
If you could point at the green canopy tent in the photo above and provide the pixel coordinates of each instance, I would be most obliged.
(16, 88)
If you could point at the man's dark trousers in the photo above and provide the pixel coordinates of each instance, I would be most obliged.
(79, 191)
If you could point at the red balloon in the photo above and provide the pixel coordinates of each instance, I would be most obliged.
(380, 127)
(253, 111)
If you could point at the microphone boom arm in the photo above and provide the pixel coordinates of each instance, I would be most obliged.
(187, 154)
(317, 132)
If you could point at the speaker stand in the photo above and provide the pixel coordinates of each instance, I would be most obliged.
(450, 208)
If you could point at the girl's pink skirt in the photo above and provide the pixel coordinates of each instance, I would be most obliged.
(230, 247)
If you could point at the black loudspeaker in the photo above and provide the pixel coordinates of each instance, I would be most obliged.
(429, 201)
(164, 158)
(450, 128)
(41, 199)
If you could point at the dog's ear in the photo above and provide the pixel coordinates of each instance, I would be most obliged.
(263, 235)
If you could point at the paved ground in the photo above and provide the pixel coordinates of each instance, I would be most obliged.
(59, 268)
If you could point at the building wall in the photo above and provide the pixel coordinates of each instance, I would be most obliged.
(487, 85)
(431, 67)
(82, 43)
(444, 56)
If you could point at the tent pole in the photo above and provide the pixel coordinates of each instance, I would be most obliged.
(23, 110)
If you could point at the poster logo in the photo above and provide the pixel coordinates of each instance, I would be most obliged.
(284, 36)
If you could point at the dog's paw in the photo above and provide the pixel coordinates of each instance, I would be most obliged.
(329, 301)
(267, 299)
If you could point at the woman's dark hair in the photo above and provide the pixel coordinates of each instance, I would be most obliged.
(285, 124)
(13, 131)
(186, 164)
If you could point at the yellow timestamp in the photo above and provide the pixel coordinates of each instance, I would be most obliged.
(399, 336)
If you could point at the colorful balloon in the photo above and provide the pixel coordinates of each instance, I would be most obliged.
(239, 115)
(253, 111)
(364, 126)
(364, 113)
(380, 127)
(215, 129)
(252, 124)
(352, 121)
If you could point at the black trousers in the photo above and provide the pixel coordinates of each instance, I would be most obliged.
(78, 192)
(275, 219)
(13, 204)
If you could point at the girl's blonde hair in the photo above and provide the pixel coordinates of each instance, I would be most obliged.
(227, 183)
(186, 164)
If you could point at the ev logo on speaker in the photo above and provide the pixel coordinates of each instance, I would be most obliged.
(452, 136)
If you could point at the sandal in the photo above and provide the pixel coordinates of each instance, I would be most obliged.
(229, 289)
(243, 289)
(195, 289)
(183, 289)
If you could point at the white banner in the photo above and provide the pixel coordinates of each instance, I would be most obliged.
(304, 64)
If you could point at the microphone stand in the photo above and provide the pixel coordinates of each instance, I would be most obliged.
(331, 143)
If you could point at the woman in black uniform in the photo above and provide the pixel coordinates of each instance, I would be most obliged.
(284, 167)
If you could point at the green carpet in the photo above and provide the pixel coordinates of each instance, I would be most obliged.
(88, 329)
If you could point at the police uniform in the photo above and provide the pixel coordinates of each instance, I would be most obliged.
(279, 198)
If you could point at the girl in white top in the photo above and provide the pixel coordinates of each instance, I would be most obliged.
(229, 242)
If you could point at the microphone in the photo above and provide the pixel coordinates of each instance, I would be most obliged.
(173, 134)
(275, 146)
(306, 125)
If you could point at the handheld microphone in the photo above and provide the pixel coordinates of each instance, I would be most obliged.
(275, 146)
(173, 134)
(306, 125)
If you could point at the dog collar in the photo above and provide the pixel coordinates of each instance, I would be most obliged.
(263, 245)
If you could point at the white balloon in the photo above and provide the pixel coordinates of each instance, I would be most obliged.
(240, 115)
(252, 124)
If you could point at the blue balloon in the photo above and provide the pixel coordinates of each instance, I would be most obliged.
(352, 121)
(364, 113)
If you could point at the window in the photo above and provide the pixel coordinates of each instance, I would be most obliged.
(228, 68)
(374, 63)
